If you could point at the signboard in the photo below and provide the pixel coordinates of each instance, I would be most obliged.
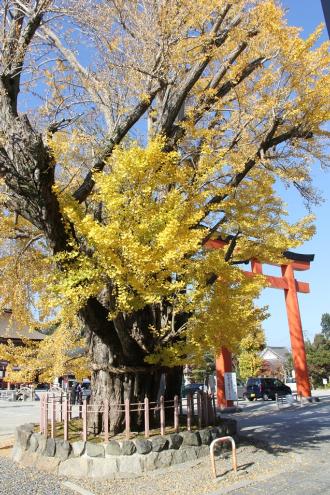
(325, 381)
(231, 386)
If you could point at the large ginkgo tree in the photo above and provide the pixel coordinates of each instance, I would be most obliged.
(133, 132)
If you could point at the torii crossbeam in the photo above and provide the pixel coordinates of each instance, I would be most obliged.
(291, 286)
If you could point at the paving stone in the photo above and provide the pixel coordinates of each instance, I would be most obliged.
(27, 427)
(127, 447)
(206, 436)
(48, 464)
(113, 448)
(34, 442)
(150, 461)
(174, 441)
(191, 438)
(131, 464)
(103, 468)
(22, 436)
(50, 448)
(164, 459)
(77, 467)
(63, 449)
(78, 448)
(191, 453)
(143, 446)
(159, 444)
(42, 443)
(94, 449)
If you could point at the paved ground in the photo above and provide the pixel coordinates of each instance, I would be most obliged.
(304, 434)
(290, 455)
(13, 414)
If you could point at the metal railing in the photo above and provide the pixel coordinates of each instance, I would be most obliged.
(233, 449)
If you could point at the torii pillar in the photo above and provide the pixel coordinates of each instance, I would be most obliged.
(224, 364)
(291, 286)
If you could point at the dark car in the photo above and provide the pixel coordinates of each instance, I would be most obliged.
(265, 388)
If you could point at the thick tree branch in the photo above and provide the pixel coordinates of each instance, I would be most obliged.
(119, 133)
(179, 94)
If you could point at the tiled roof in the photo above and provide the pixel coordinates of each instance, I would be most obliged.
(10, 330)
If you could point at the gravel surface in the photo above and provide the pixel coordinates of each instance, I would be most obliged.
(195, 477)
(15, 480)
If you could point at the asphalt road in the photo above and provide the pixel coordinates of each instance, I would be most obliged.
(303, 433)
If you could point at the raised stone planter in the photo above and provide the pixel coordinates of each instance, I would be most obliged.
(116, 459)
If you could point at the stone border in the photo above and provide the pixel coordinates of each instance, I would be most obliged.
(115, 459)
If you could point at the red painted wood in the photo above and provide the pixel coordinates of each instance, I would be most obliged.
(296, 333)
(224, 365)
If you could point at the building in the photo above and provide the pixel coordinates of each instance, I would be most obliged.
(276, 361)
(9, 330)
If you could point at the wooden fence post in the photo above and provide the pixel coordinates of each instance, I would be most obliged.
(106, 420)
(162, 415)
(146, 417)
(84, 420)
(176, 413)
(192, 408)
(214, 411)
(188, 412)
(61, 407)
(42, 400)
(206, 404)
(46, 415)
(199, 410)
(52, 416)
(66, 419)
(127, 419)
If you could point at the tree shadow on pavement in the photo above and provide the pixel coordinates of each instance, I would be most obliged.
(290, 429)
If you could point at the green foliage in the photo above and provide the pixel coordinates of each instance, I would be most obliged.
(325, 325)
(318, 359)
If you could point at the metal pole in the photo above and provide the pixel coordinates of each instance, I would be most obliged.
(234, 455)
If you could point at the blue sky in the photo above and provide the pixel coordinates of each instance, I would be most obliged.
(308, 14)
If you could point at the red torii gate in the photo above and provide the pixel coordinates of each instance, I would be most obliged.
(291, 286)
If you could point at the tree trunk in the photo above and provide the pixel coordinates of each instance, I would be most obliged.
(119, 370)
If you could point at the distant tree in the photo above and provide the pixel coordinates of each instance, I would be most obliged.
(207, 367)
(325, 325)
(318, 359)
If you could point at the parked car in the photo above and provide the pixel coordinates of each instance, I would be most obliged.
(291, 382)
(265, 388)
